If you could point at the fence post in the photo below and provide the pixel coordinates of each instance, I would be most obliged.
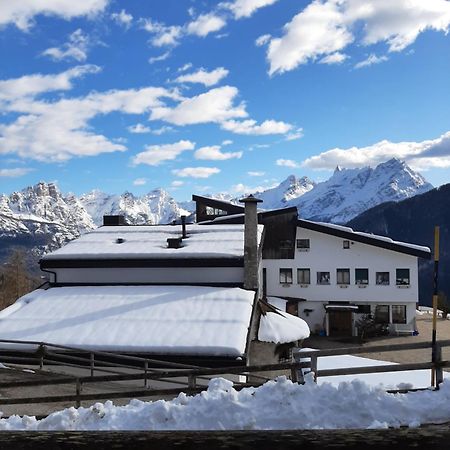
(438, 370)
(192, 383)
(41, 359)
(145, 373)
(314, 367)
(78, 392)
(92, 364)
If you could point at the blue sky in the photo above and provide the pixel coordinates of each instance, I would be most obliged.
(206, 97)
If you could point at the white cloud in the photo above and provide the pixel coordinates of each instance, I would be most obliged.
(263, 40)
(14, 173)
(246, 8)
(154, 155)
(325, 27)
(370, 60)
(227, 142)
(196, 172)
(287, 163)
(250, 127)
(320, 29)
(123, 18)
(177, 183)
(297, 134)
(140, 182)
(241, 188)
(205, 24)
(214, 153)
(32, 85)
(163, 35)
(433, 153)
(162, 57)
(185, 67)
(60, 130)
(204, 77)
(138, 129)
(334, 58)
(76, 48)
(256, 174)
(215, 105)
(21, 13)
(162, 130)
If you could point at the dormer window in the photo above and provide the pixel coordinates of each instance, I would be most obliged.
(303, 245)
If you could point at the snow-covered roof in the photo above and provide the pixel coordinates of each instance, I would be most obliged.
(281, 327)
(203, 241)
(170, 320)
(370, 238)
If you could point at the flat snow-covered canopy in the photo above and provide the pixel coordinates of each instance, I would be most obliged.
(203, 241)
(173, 320)
(281, 327)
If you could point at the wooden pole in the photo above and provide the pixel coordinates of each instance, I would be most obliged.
(435, 302)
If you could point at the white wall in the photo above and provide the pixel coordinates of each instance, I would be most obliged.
(326, 254)
(152, 275)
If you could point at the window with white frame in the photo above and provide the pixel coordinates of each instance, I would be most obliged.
(361, 276)
(323, 277)
(398, 313)
(303, 276)
(286, 276)
(402, 277)
(346, 244)
(382, 278)
(343, 276)
(303, 244)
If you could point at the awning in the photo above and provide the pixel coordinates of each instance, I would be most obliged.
(336, 307)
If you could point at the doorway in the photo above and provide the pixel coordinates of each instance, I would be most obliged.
(339, 323)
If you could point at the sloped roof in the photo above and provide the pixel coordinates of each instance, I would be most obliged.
(366, 238)
(167, 320)
(150, 242)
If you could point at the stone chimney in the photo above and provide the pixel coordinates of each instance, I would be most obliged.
(251, 242)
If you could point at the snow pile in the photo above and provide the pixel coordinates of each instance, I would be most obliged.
(280, 327)
(278, 404)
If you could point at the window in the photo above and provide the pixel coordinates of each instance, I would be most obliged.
(303, 276)
(323, 277)
(398, 314)
(363, 309)
(285, 244)
(382, 278)
(303, 244)
(343, 276)
(361, 276)
(210, 211)
(382, 314)
(286, 276)
(345, 244)
(402, 277)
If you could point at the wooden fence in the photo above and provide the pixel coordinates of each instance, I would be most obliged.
(185, 378)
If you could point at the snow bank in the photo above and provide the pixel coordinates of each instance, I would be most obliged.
(278, 404)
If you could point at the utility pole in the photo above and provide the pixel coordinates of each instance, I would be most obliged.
(434, 355)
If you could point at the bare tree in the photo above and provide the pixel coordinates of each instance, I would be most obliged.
(16, 279)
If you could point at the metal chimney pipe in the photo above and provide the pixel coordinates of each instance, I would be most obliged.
(251, 242)
(183, 226)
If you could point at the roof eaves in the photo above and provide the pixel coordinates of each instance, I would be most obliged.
(364, 239)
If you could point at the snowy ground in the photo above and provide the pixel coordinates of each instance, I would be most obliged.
(353, 401)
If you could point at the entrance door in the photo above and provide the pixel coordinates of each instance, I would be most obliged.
(340, 323)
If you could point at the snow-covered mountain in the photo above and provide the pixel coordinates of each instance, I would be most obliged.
(41, 218)
(285, 193)
(350, 192)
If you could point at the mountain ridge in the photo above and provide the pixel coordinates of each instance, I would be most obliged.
(41, 213)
